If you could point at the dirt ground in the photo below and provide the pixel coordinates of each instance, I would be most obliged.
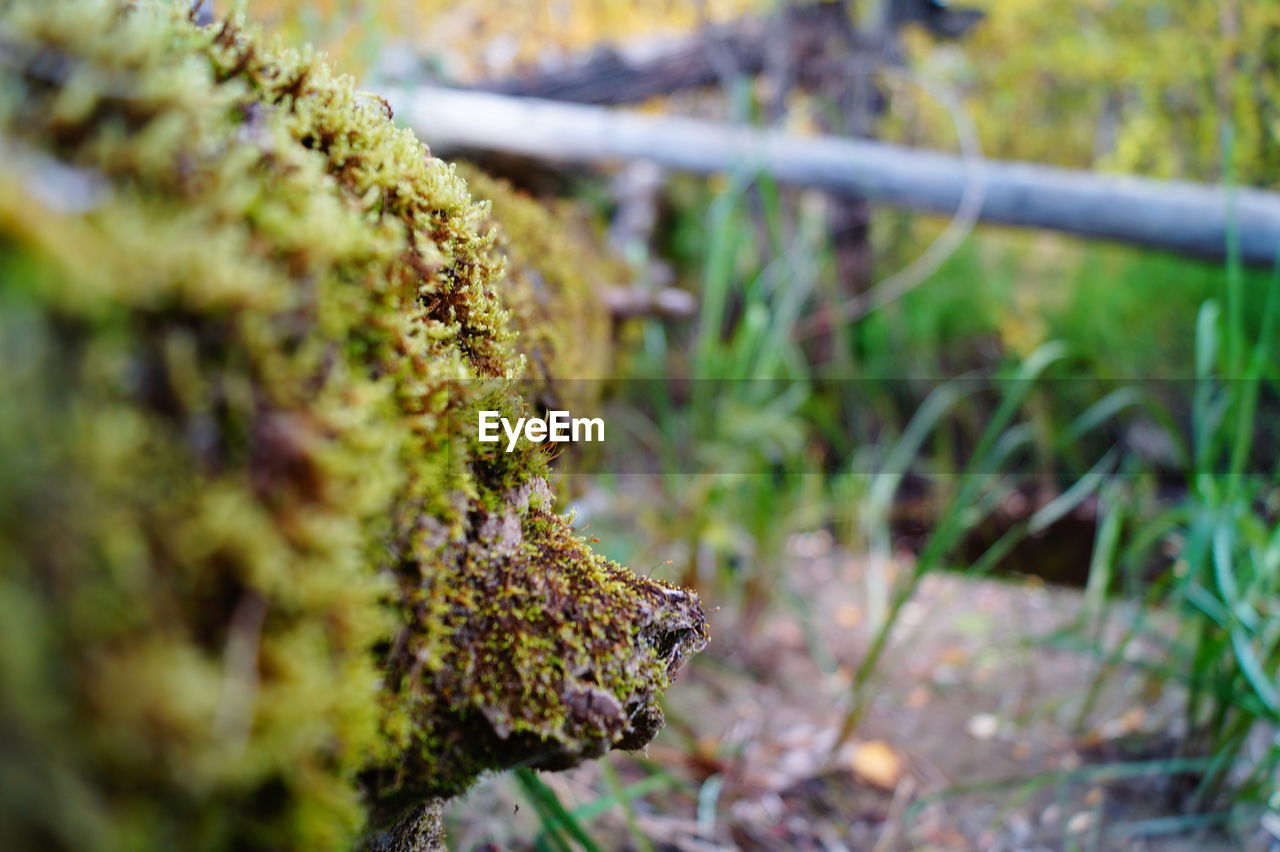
(970, 741)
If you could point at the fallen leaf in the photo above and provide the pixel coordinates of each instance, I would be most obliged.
(877, 763)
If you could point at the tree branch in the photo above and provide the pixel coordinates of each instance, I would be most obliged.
(1177, 216)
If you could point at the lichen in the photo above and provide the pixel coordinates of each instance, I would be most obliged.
(256, 584)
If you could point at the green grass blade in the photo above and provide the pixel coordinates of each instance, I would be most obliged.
(552, 811)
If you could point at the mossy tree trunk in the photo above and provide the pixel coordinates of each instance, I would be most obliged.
(257, 590)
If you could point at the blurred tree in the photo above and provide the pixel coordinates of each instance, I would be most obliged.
(486, 37)
(1123, 85)
(938, 16)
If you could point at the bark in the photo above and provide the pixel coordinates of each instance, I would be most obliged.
(421, 829)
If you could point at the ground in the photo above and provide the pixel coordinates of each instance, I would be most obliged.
(969, 742)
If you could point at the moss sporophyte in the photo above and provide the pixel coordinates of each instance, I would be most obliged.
(557, 427)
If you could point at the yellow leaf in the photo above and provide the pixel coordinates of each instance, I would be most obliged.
(877, 763)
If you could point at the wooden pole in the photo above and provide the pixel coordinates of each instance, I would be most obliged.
(1178, 216)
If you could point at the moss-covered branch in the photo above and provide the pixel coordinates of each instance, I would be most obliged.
(255, 591)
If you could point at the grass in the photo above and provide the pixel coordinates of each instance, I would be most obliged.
(560, 828)
(563, 829)
(767, 427)
(1217, 548)
(1225, 572)
(724, 412)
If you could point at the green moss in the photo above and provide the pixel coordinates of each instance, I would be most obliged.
(553, 290)
(565, 652)
(255, 581)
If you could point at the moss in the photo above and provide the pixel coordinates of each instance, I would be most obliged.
(563, 657)
(255, 583)
(553, 290)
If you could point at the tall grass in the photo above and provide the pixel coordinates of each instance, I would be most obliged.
(987, 479)
(1214, 547)
(1223, 589)
(727, 412)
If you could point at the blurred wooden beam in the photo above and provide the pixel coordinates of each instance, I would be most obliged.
(1178, 216)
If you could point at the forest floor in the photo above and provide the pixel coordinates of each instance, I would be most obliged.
(970, 741)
